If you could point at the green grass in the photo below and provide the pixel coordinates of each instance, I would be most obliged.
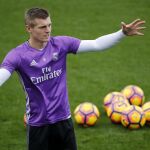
(90, 76)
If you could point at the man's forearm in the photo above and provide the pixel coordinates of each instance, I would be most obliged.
(4, 75)
(101, 43)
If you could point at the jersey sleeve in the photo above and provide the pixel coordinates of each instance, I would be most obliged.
(11, 61)
(69, 44)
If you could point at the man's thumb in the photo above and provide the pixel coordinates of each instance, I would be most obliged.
(123, 24)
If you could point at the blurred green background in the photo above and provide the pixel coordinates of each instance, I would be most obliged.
(90, 75)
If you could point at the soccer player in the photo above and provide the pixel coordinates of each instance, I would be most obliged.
(41, 65)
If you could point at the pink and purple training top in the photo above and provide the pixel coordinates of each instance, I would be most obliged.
(43, 76)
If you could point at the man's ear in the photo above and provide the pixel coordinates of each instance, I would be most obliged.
(28, 28)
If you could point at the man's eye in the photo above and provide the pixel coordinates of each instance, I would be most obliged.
(42, 27)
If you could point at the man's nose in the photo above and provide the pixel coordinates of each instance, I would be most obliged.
(48, 29)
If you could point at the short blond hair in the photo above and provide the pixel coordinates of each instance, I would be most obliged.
(34, 13)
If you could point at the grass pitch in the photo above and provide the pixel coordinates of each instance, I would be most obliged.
(90, 76)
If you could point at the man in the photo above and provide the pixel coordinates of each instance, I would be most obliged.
(41, 65)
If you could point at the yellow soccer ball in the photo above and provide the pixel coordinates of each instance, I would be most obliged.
(113, 97)
(86, 114)
(116, 109)
(146, 109)
(133, 117)
(134, 94)
(25, 120)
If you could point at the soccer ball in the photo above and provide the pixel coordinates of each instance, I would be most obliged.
(113, 97)
(134, 94)
(133, 117)
(116, 109)
(86, 114)
(146, 109)
(25, 120)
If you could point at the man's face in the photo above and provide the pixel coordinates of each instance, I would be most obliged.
(41, 29)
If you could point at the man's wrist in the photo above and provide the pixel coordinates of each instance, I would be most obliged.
(125, 32)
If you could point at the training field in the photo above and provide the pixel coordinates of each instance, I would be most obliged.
(90, 76)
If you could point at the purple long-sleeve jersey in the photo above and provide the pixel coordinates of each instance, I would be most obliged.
(43, 76)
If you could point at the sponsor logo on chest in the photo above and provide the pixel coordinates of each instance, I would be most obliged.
(47, 74)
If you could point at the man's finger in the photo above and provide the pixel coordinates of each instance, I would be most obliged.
(139, 23)
(123, 24)
(135, 21)
(139, 33)
(140, 28)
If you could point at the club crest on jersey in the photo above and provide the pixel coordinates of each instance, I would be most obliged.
(44, 59)
(55, 56)
(33, 63)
